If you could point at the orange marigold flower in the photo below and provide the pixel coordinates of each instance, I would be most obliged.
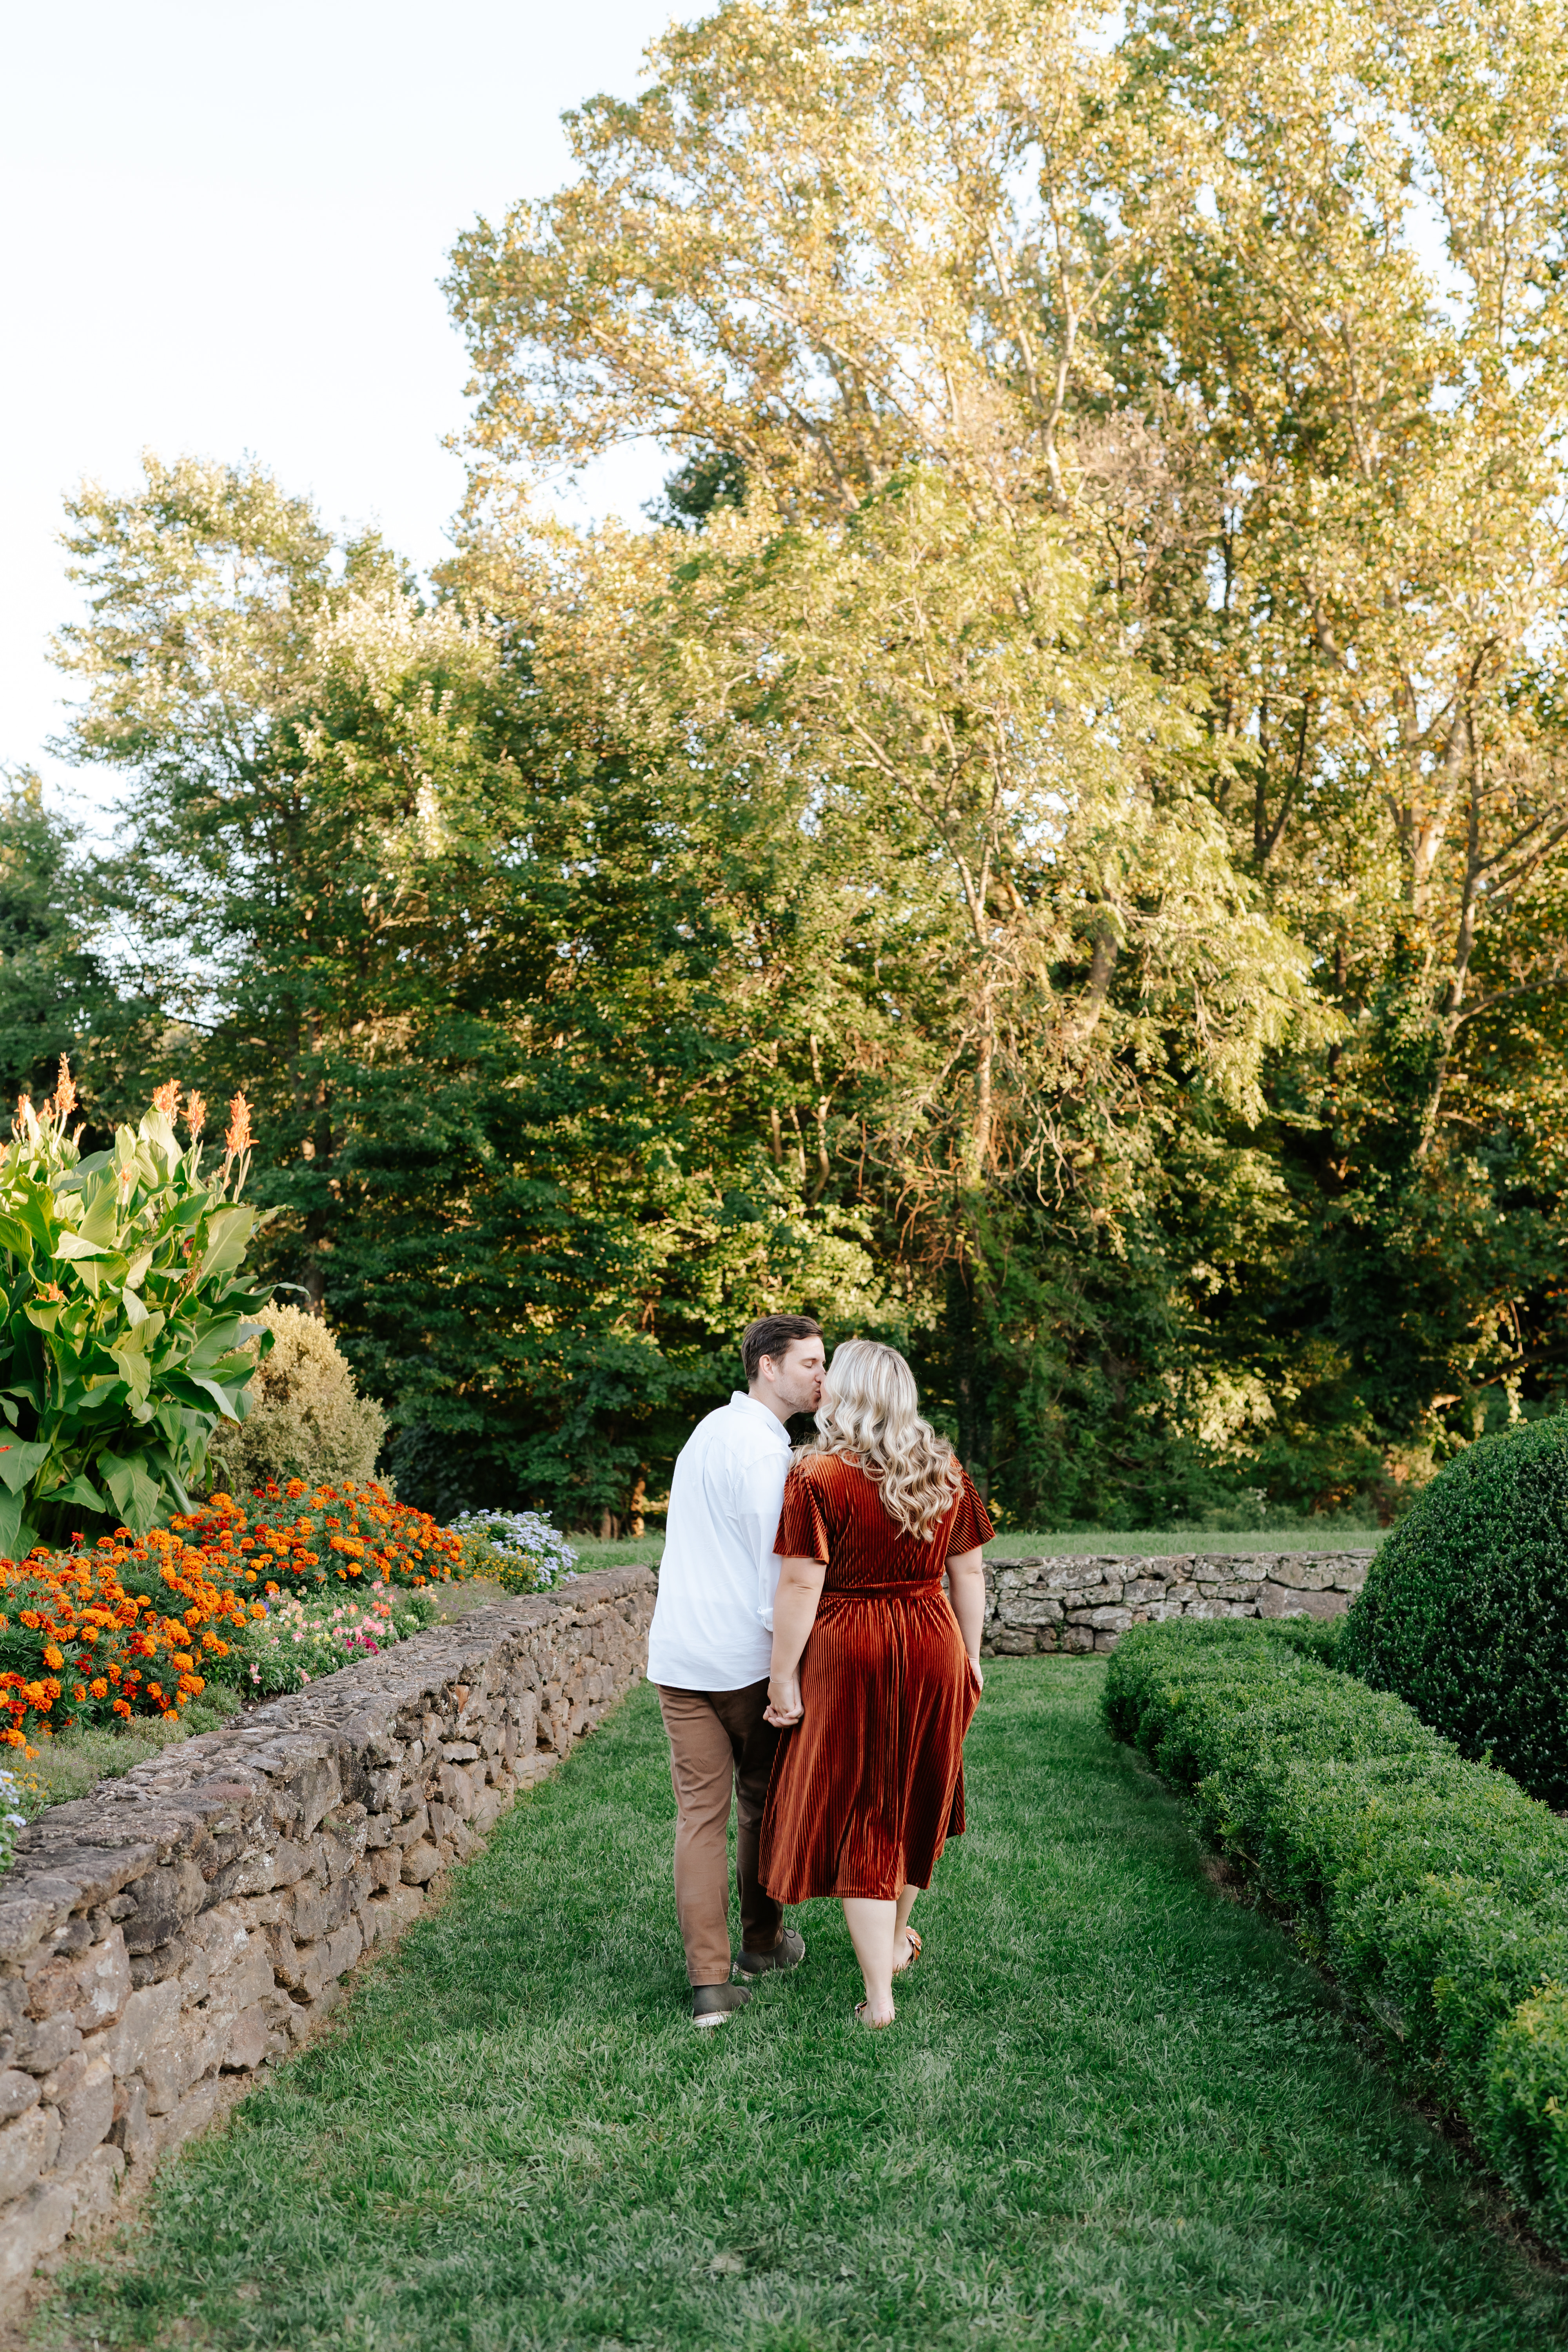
(99, 1688)
(121, 1707)
(53, 1657)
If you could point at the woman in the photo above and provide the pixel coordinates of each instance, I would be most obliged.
(869, 1780)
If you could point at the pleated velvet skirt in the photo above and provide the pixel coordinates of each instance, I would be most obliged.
(869, 1786)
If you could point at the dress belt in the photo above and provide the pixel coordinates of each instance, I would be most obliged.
(904, 1592)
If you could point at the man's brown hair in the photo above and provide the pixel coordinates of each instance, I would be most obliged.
(770, 1334)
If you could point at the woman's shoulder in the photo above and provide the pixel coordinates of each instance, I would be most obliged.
(814, 1467)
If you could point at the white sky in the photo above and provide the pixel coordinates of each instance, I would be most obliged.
(227, 225)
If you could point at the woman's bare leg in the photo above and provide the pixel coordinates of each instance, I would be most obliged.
(872, 1928)
(901, 1926)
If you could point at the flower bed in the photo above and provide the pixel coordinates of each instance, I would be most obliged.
(296, 1641)
(516, 1549)
(1436, 1889)
(266, 1596)
(306, 1537)
(119, 1629)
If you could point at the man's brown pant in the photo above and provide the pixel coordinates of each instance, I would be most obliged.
(719, 1748)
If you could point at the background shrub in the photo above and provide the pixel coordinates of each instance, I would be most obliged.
(1435, 1888)
(306, 1420)
(1465, 1612)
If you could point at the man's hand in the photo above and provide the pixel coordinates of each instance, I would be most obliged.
(784, 1708)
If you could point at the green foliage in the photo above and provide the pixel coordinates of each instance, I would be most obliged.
(1465, 1612)
(306, 1418)
(708, 481)
(1435, 1888)
(58, 994)
(126, 1303)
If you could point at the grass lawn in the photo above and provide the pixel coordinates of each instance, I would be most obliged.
(1160, 1543)
(1115, 2112)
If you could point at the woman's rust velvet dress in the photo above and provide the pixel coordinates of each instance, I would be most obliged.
(868, 1786)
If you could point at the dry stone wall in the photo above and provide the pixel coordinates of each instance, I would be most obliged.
(194, 1920)
(1038, 1604)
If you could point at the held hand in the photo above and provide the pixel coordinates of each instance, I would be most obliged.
(784, 1708)
(975, 1670)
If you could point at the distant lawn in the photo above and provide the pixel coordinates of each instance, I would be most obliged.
(1116, 2114)
(1162, 1543)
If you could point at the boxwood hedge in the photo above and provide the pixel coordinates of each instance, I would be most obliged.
(1434, 1888)
(1465, 1611)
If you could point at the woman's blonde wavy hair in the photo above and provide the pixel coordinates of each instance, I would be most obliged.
(870, 1414)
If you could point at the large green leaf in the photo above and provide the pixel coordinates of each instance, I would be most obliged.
(77, 1179)
(76, 1245)
(227, 1234)
(136, 1495)
(14, 1237)
(11, 1521)
(19, 1462)
(100, 1217)
(82, 1491)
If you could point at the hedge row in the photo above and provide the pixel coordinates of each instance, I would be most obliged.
(1434, 1889)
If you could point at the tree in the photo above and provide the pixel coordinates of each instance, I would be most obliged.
(464, 959)
(59, 993)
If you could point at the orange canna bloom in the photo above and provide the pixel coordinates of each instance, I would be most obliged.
(196, 1115)
(238, 1136)
(65, 1091)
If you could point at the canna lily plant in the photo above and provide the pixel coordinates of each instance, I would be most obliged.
(126, 1313)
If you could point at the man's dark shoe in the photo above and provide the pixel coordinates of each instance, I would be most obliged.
(716, 2004)
(787, 1953)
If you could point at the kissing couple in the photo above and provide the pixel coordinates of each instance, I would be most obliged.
(811, 1671)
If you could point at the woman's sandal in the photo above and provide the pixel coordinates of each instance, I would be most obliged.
(861, 2019)
(916, 1948)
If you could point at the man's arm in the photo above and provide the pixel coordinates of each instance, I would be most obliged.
(759, 1500)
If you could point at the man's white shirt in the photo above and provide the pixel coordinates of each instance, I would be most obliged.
(712, 1622)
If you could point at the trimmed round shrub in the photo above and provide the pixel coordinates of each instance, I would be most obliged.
(307, 1418)
(1465, 1611)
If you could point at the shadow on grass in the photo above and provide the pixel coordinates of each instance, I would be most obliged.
(1115, 2112)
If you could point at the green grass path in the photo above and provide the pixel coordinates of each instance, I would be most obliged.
(1115, 2112)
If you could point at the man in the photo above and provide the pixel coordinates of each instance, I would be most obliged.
(708, 1650)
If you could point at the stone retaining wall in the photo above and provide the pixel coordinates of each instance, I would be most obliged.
(195, 1919)
(1042, 1604)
